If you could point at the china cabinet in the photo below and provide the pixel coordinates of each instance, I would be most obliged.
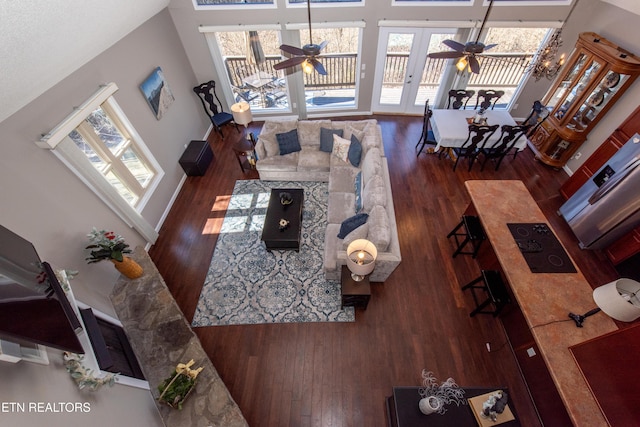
(595, 76)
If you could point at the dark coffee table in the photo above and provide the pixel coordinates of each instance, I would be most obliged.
(288, 238)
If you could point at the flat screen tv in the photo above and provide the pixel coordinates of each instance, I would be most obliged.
(33, 305)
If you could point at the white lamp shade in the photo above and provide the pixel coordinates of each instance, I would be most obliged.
(361, 257)
(619, 299)
(241, 113)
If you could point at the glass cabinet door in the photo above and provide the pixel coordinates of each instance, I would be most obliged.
(576, 93)
(567, 82)
(598, 98)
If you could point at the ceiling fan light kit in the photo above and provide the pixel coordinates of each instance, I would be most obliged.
(468, 52)
(306, 57)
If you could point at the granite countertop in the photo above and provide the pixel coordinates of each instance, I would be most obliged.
(544, 298)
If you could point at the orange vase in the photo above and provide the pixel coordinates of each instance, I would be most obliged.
(128, 267)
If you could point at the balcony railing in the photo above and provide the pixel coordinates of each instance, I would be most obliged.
(499, 71)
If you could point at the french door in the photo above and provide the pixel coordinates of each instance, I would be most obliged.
(404, 77)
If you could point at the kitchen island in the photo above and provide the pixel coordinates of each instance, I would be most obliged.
(542, 300)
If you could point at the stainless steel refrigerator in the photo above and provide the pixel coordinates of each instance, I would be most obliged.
(607, 206)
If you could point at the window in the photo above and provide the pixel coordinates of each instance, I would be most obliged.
(101, 147)
(113, 152)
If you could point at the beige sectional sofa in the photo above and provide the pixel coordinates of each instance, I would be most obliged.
(310, 163)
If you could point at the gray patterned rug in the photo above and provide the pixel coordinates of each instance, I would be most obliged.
(248, 285)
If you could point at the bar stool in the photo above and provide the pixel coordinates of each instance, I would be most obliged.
(473, 233)
(491, 282)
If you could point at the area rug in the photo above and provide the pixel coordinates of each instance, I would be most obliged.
(246, 284)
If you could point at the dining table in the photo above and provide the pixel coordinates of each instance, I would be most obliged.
(259, 81)
(451, 127)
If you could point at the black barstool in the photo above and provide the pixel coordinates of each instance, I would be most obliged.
(491, 282)
(473, 233)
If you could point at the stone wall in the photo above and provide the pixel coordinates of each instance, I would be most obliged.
(161, 338)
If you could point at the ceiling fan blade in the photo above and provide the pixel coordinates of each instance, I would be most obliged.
(323, 45)
(489, 46)
(318, 66)
(449, 54)
(291, 62)
(454, 45)
(292, 49)
(474, 65)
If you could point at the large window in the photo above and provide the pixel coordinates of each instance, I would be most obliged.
(102, 148)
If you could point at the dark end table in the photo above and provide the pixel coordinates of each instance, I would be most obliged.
(354, 294)
(246, 154)
(288, 238)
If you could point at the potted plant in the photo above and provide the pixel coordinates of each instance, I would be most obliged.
(435, 397)
(175, 389)
(107, 245)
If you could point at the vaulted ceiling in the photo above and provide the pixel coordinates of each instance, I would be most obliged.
(41, 43)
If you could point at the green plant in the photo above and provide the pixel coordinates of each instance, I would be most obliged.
(84, 377)
(106, 245)
(175, 389)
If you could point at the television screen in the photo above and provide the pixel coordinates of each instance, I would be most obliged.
(33, 306)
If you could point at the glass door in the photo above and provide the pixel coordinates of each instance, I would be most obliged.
(404, 76)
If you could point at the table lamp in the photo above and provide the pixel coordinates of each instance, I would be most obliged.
(242, 113)
(361, 258)
(619, 299)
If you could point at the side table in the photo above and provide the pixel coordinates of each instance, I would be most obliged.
(246, 154)
(354, 294)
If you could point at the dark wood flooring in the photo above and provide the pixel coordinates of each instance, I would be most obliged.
(337, 374)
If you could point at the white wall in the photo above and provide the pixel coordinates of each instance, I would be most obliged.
(41, 200)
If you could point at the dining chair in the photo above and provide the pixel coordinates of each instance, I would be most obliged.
(478, 135)
(508, 139)
(459, 98)
(427, 136)
(538, 114)
(206, 93)
(487, 98)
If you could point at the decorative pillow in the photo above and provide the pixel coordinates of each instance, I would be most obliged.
(351, 130)
(340, 148)
(288, 142)
(350, 224)
(271, 147)
(359, 233)
(326, 138)
(379, 228)
(358, 191)
(355, 151)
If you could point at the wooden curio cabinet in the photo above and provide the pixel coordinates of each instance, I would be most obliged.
(595, 76)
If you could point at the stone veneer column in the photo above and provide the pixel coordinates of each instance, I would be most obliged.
(161, 338)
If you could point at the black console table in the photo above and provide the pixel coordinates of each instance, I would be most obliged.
(403, 410)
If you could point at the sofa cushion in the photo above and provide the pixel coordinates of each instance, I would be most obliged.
(371, 164)
(341, 148)
(355, 151)
(280, 126)
(351, 223)
(286, 163)
(342, 176)
(374, 193)
(326, 138)
(379, 228)
(340, 207)
(288, 142)
(353, 130)
(313, 160)
(359, 233)
(309, 131)
(270, 144)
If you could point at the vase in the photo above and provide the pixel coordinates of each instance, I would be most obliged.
(429, 405)
(128, 267)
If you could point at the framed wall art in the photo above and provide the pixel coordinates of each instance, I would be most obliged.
(157, 93)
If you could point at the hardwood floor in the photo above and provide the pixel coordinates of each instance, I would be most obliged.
(337, 374)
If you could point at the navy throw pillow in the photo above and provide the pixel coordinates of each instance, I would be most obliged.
(350, 224)
(355, 151)
(326, 138)
(358, 191)
(288, 142)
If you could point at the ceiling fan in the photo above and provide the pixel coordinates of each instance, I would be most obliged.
(467, 52)
(307, 56)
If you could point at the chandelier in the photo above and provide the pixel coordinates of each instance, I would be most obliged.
(545, 63)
